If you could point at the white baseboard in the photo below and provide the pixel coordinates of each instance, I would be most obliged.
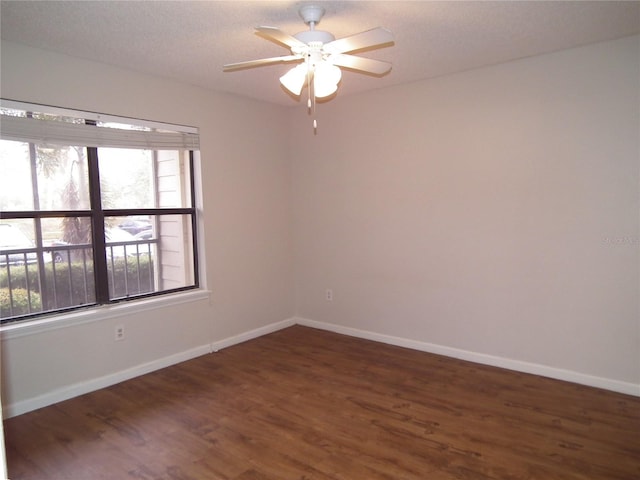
(70, 391)
(251, 334)
(77, 389)
(502, 362)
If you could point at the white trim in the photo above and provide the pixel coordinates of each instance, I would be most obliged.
(97, 313)
(3, 457)
(98, 117)
(70, 391)
(502, 362)
(52, 132)
(251, 334)
(74, 390)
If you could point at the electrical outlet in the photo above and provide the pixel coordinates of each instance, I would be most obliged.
(119, 335)
(329, 295)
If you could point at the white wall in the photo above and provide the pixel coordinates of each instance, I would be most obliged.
(246, 217)
(493, 213)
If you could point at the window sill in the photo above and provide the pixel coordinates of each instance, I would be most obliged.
(95, 314)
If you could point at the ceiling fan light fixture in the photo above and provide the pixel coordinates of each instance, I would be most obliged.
(295, 79)
(322, 90)
(326, 79)
(329, 72)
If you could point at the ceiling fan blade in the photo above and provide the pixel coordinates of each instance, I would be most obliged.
(277, 35)
(368, 65)
(230, 67)
(374, 38)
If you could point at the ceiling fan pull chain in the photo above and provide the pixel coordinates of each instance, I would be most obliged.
(312, 94)
(311, 99)
(308, 61)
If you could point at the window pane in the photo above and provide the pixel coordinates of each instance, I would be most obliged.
(68, 271)
(15, 176)
(19, 282)
(63, 179)
(147, 254)
(60, 177)
(17, 245)
(69, 279)
(175, 249)
(41, 274)
(67, 239)
(126, 178)
(172, 171)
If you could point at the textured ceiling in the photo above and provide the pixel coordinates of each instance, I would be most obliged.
(190, 40)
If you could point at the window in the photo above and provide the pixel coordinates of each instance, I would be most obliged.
(93, 210)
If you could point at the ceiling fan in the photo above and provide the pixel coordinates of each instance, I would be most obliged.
(320, 55)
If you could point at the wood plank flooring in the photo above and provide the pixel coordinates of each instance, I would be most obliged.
(306, 404)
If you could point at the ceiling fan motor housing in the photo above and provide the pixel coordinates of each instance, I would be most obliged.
(309, 36)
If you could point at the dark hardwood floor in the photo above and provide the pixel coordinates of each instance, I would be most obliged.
(307, 404)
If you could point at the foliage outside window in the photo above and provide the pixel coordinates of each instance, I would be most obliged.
(93, 210)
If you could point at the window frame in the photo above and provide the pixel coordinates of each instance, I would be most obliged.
(97, 214)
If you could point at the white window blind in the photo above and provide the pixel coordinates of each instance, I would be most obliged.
(55, 132)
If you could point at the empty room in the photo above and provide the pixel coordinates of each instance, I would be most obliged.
(291, 240)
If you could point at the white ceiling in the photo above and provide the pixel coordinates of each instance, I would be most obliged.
(190, 40)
